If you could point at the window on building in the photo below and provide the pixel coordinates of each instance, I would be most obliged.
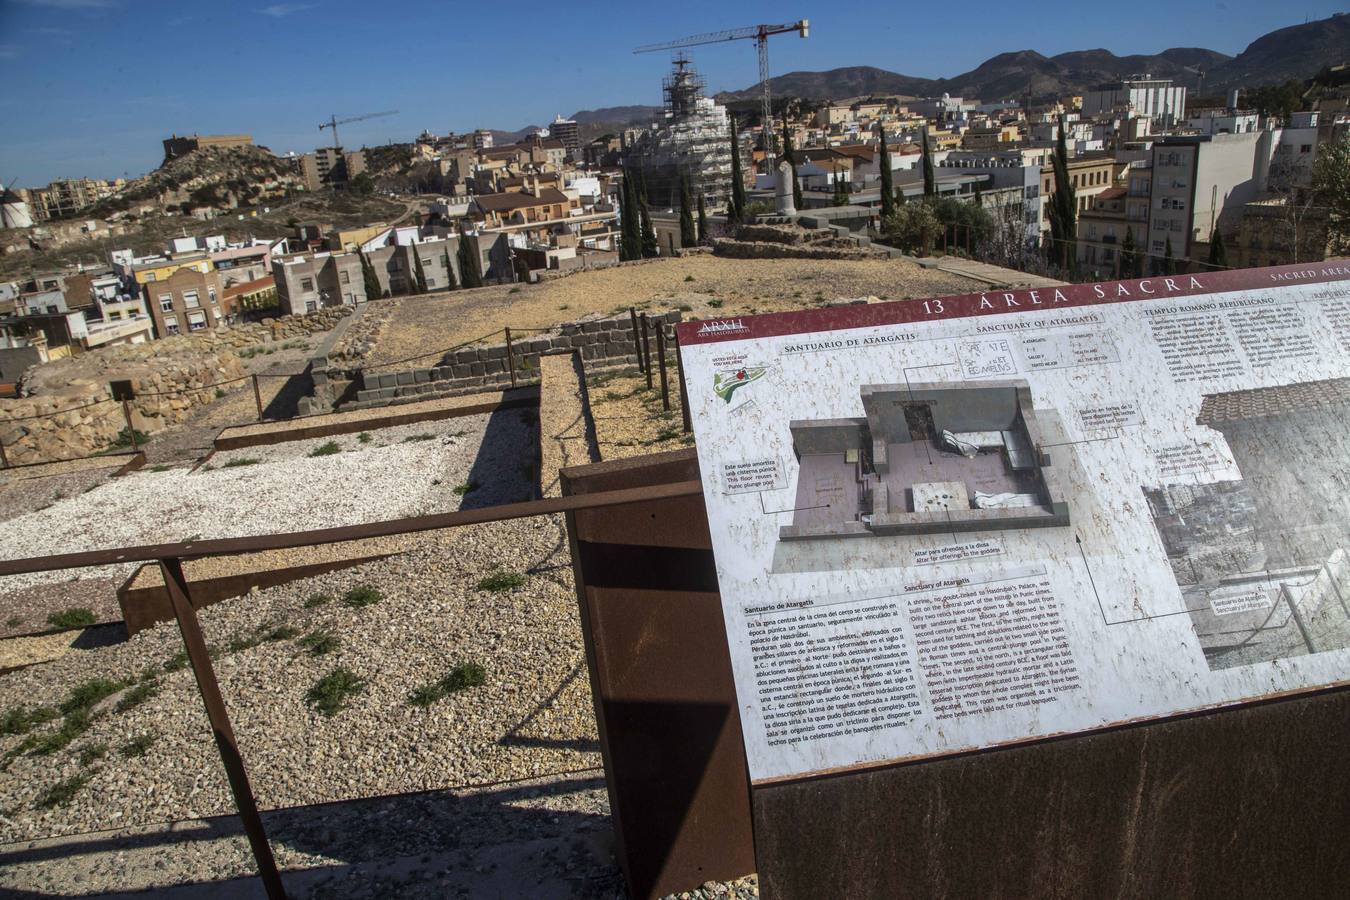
(191, 300)
(211, 294)
(345, 277)
(311, 306)
(170, 324)
(149, 276)
(166, 302)
(306, 284)
(1305, 148)
(196, 321)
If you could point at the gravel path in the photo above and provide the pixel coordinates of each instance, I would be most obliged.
(709, 286)
(285, 490)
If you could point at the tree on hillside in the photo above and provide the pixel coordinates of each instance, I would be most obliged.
(1218, 256)
(926, 160)
(788, 155)
(368, 278)
(1063, 209)
(470, 270)
(887, 179)
(1276, 99)
(702, 220)
(1331, 186)
(362, 184)
(450, 281)
(419, 276)
(687, 236)
(736, 206)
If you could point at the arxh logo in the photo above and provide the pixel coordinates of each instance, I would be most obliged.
(725, 326)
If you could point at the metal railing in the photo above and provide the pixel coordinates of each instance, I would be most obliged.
(170, 557)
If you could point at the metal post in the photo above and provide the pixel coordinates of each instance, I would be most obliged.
(257, 397)
(200, 658)
(684, 392)
(661, 363)
(647, 350)
(637, 340)
(131, 432)
(510, 357)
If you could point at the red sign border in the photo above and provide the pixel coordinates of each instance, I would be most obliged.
(1002, 301)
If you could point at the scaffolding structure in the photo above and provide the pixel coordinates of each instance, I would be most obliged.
(693, 139)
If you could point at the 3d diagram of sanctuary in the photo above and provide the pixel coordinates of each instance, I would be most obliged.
(927, 458)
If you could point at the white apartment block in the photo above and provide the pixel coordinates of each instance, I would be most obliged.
(1156, 98)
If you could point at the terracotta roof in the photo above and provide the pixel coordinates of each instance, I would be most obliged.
(503, 202)
(1264, 403)
(1111, 193)
(249, 287)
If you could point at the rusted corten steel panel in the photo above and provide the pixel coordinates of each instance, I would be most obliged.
(680, 522)
(661, 680)
(1247, 802)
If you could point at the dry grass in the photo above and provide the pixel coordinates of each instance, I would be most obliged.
(719, 287)
(629, 420)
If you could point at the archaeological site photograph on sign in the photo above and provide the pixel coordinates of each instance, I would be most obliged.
(950, 524)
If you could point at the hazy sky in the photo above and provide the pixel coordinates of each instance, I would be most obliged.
(95, 85)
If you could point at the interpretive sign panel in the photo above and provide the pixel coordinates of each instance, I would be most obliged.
(961, 522)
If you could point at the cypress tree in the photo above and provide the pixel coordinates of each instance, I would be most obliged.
(470, 271)
(419, 276)
(1218, 256)
(649, 245)
(1063, 208)
(929, 180)
(787, 155)
(450, 281)
(736, 208)
(630, 239)
(887, 179)
(840, 195)
(1129, 256)
(687, 236)
(1169, 262)
(368, 278)
(702, 220)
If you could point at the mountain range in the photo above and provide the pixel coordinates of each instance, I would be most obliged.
(1296, 52)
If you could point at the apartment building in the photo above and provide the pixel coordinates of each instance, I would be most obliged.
(1142, 95)
(187, 300)
(306, 284)
(69, 196)
(568, 133)
(1202, 182)
(1102, 229)
(1089, 176)
(331, 167)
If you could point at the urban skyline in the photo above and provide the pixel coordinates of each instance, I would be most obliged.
(104, 120)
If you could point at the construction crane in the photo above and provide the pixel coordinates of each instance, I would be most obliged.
(333, 122)
(760, 34)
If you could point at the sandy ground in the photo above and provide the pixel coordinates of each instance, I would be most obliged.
(701, 286)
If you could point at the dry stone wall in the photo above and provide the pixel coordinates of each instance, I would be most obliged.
(85, 419)
(602, 343)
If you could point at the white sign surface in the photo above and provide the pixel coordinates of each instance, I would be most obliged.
(946, 525)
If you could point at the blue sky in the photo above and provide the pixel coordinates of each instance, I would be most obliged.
(95, 85)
